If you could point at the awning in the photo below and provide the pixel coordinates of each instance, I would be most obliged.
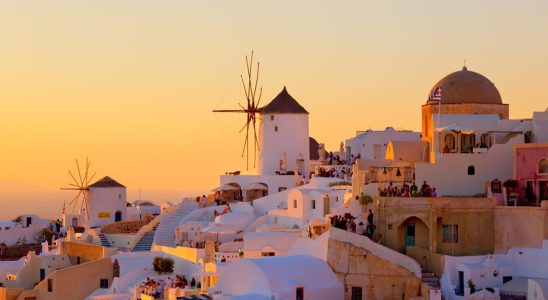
(257, 186)
(224, 187)
(516, 286)
(456, 128)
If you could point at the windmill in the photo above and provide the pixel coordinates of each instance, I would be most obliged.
(81, 185)
(251, 109)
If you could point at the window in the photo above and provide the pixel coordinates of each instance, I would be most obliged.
(450, 233)
(103, 283)
(449, 142)
(50, 285)
(485, 140)
(119, 196)
(543, 166)
(269, 253)
(356, 293)
(282, 188)
(271, 118)
(275, 128)
(471, 170)
(313, 204)
(78, 260)
(294, 203)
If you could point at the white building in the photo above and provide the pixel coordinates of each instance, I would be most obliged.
(261, 244)
(284, 277)
(27, 230)
(372, 144)
(139, 209)
(522, 272)
(107, 202)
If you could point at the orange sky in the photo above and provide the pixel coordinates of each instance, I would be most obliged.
(131, 84)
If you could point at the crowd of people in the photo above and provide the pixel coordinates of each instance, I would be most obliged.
(332, 172)
(337, 160)
(348, 222)
(408, 191)
(155, 288)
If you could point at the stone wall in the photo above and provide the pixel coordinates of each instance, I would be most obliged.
(379, 278)
(520, 227)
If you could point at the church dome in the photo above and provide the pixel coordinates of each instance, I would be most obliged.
(465, 87)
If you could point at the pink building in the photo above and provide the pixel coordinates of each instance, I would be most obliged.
(531, 172)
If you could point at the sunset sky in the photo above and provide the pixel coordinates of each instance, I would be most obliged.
(131, 84)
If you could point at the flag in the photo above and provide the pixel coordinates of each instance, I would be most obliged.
(436, 94)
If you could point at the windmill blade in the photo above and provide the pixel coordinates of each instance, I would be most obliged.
(256, 145)
(85, 183)
(246, 123)
(91, 179)
(256, 83)
(246, 139)
(81, 206)
(259, 100)
(74, 202)
(75, 199)
(245, 90)
(79, 173)
(74, 178)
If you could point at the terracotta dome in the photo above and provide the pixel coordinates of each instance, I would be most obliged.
(465, 87)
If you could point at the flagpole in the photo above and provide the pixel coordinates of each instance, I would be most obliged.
(439, 124)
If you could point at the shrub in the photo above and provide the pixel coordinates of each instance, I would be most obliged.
(336, 183)
(163, 265)
(365, 199)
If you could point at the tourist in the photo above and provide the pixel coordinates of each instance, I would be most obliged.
(360, 229)
(193, 283)
(370, 226)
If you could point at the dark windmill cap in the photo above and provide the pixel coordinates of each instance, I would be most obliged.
(283, 104)
(107, 182)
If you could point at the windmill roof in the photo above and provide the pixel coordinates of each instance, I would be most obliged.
(285, 104)
(107, 182)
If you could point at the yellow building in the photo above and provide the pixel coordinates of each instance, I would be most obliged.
(455, 226)
(462, 92)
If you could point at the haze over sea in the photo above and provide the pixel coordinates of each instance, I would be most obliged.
(48, 203)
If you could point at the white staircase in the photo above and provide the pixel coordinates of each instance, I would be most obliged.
(165, 234)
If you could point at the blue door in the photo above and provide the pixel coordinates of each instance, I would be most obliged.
(409, 235)
(118, 216)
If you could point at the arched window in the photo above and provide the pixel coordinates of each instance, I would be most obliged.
(543, 166)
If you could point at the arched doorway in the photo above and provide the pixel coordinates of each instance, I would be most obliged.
(118, 216)
(256, 190)
(413, 232)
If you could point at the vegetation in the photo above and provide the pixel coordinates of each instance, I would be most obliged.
(337, 183)
(163, 265)
(18, 219)
(365, 199)
(44, 235)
